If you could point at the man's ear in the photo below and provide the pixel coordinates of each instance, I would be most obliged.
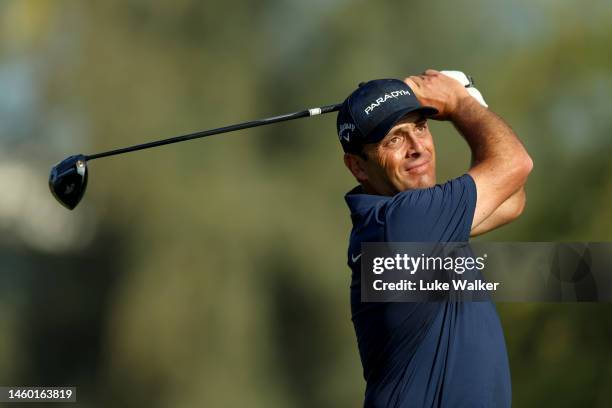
(356, 165)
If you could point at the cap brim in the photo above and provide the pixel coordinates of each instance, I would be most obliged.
(385, 126)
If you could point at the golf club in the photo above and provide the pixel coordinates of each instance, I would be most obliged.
(68, 178)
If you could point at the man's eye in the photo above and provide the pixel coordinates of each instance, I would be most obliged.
(394, 140)
(421, 126)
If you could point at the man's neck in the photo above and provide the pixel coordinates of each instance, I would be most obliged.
(385, 191)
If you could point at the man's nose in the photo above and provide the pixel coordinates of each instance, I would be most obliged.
(415, 148)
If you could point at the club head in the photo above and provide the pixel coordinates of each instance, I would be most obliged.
(68, 180)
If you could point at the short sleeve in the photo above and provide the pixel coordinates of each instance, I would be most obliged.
(443, 213)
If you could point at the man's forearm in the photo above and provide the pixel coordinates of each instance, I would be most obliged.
(488, 135)
(500, 163)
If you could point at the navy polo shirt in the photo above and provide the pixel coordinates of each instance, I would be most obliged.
(435, 354)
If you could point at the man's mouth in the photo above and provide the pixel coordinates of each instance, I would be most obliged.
(418, 168)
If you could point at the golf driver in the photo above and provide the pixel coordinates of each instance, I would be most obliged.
(68, 178)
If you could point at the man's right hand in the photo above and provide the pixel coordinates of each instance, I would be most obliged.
(433, 88)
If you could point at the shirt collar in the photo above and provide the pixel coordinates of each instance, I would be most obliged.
(359, 201)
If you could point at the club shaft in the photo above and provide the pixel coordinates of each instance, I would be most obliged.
(231, 128)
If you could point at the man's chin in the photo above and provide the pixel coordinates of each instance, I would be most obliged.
(426, 184)
(425, 181)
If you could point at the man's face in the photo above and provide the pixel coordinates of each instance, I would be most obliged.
(404, 159)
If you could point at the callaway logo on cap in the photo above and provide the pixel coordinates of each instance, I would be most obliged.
(368, 113)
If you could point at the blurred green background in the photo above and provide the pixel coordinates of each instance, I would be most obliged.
(213, 273)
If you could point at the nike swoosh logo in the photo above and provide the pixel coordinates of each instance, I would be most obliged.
(355, 258)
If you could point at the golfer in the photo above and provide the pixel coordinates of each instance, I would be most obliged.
(430, 354)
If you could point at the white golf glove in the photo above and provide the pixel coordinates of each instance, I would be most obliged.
(468, 83)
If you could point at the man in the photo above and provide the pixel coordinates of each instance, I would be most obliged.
(430, 354)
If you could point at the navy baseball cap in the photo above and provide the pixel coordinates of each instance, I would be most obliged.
(368, 113)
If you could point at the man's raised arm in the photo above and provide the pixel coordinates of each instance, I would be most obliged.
(500, 163)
